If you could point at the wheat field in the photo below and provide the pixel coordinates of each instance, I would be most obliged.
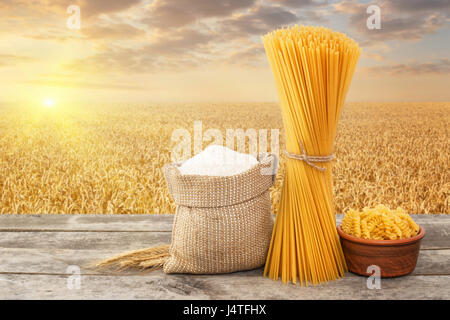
(108, 158)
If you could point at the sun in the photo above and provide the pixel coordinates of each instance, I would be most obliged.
(49, 102)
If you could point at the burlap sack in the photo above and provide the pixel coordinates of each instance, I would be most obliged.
(222, 224)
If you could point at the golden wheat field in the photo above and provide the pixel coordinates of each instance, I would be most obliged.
(109, 158)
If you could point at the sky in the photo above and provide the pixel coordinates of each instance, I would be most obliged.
(209, 50)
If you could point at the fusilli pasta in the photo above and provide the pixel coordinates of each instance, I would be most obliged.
(379, 223)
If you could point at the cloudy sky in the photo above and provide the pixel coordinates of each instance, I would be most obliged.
(210, 50)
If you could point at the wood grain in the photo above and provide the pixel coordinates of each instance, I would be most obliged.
(35, 252)
(234, 286)
(41, 260)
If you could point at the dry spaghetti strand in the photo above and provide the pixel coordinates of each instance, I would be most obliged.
(313, 68)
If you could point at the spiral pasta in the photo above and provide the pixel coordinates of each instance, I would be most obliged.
(379, 223)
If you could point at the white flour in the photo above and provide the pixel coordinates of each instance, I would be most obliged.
(216, 160)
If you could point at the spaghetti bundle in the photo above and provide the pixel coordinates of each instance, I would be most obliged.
(313, 68)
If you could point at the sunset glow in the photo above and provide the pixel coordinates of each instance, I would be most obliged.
(210, 51)
(49, 103)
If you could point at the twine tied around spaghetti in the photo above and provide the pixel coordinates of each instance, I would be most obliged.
(310, 159)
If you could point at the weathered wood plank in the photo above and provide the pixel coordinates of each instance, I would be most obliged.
(83, 240)
(19, 260)
(35, 252)
(133, 222)
(437, 226)
(157, 285)
(104, 223)
(435, 238)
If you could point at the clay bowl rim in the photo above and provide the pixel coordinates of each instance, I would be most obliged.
(370, 242)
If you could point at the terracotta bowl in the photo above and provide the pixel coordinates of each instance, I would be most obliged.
(394, 257)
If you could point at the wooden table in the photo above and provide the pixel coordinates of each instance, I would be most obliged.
(40, 256)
